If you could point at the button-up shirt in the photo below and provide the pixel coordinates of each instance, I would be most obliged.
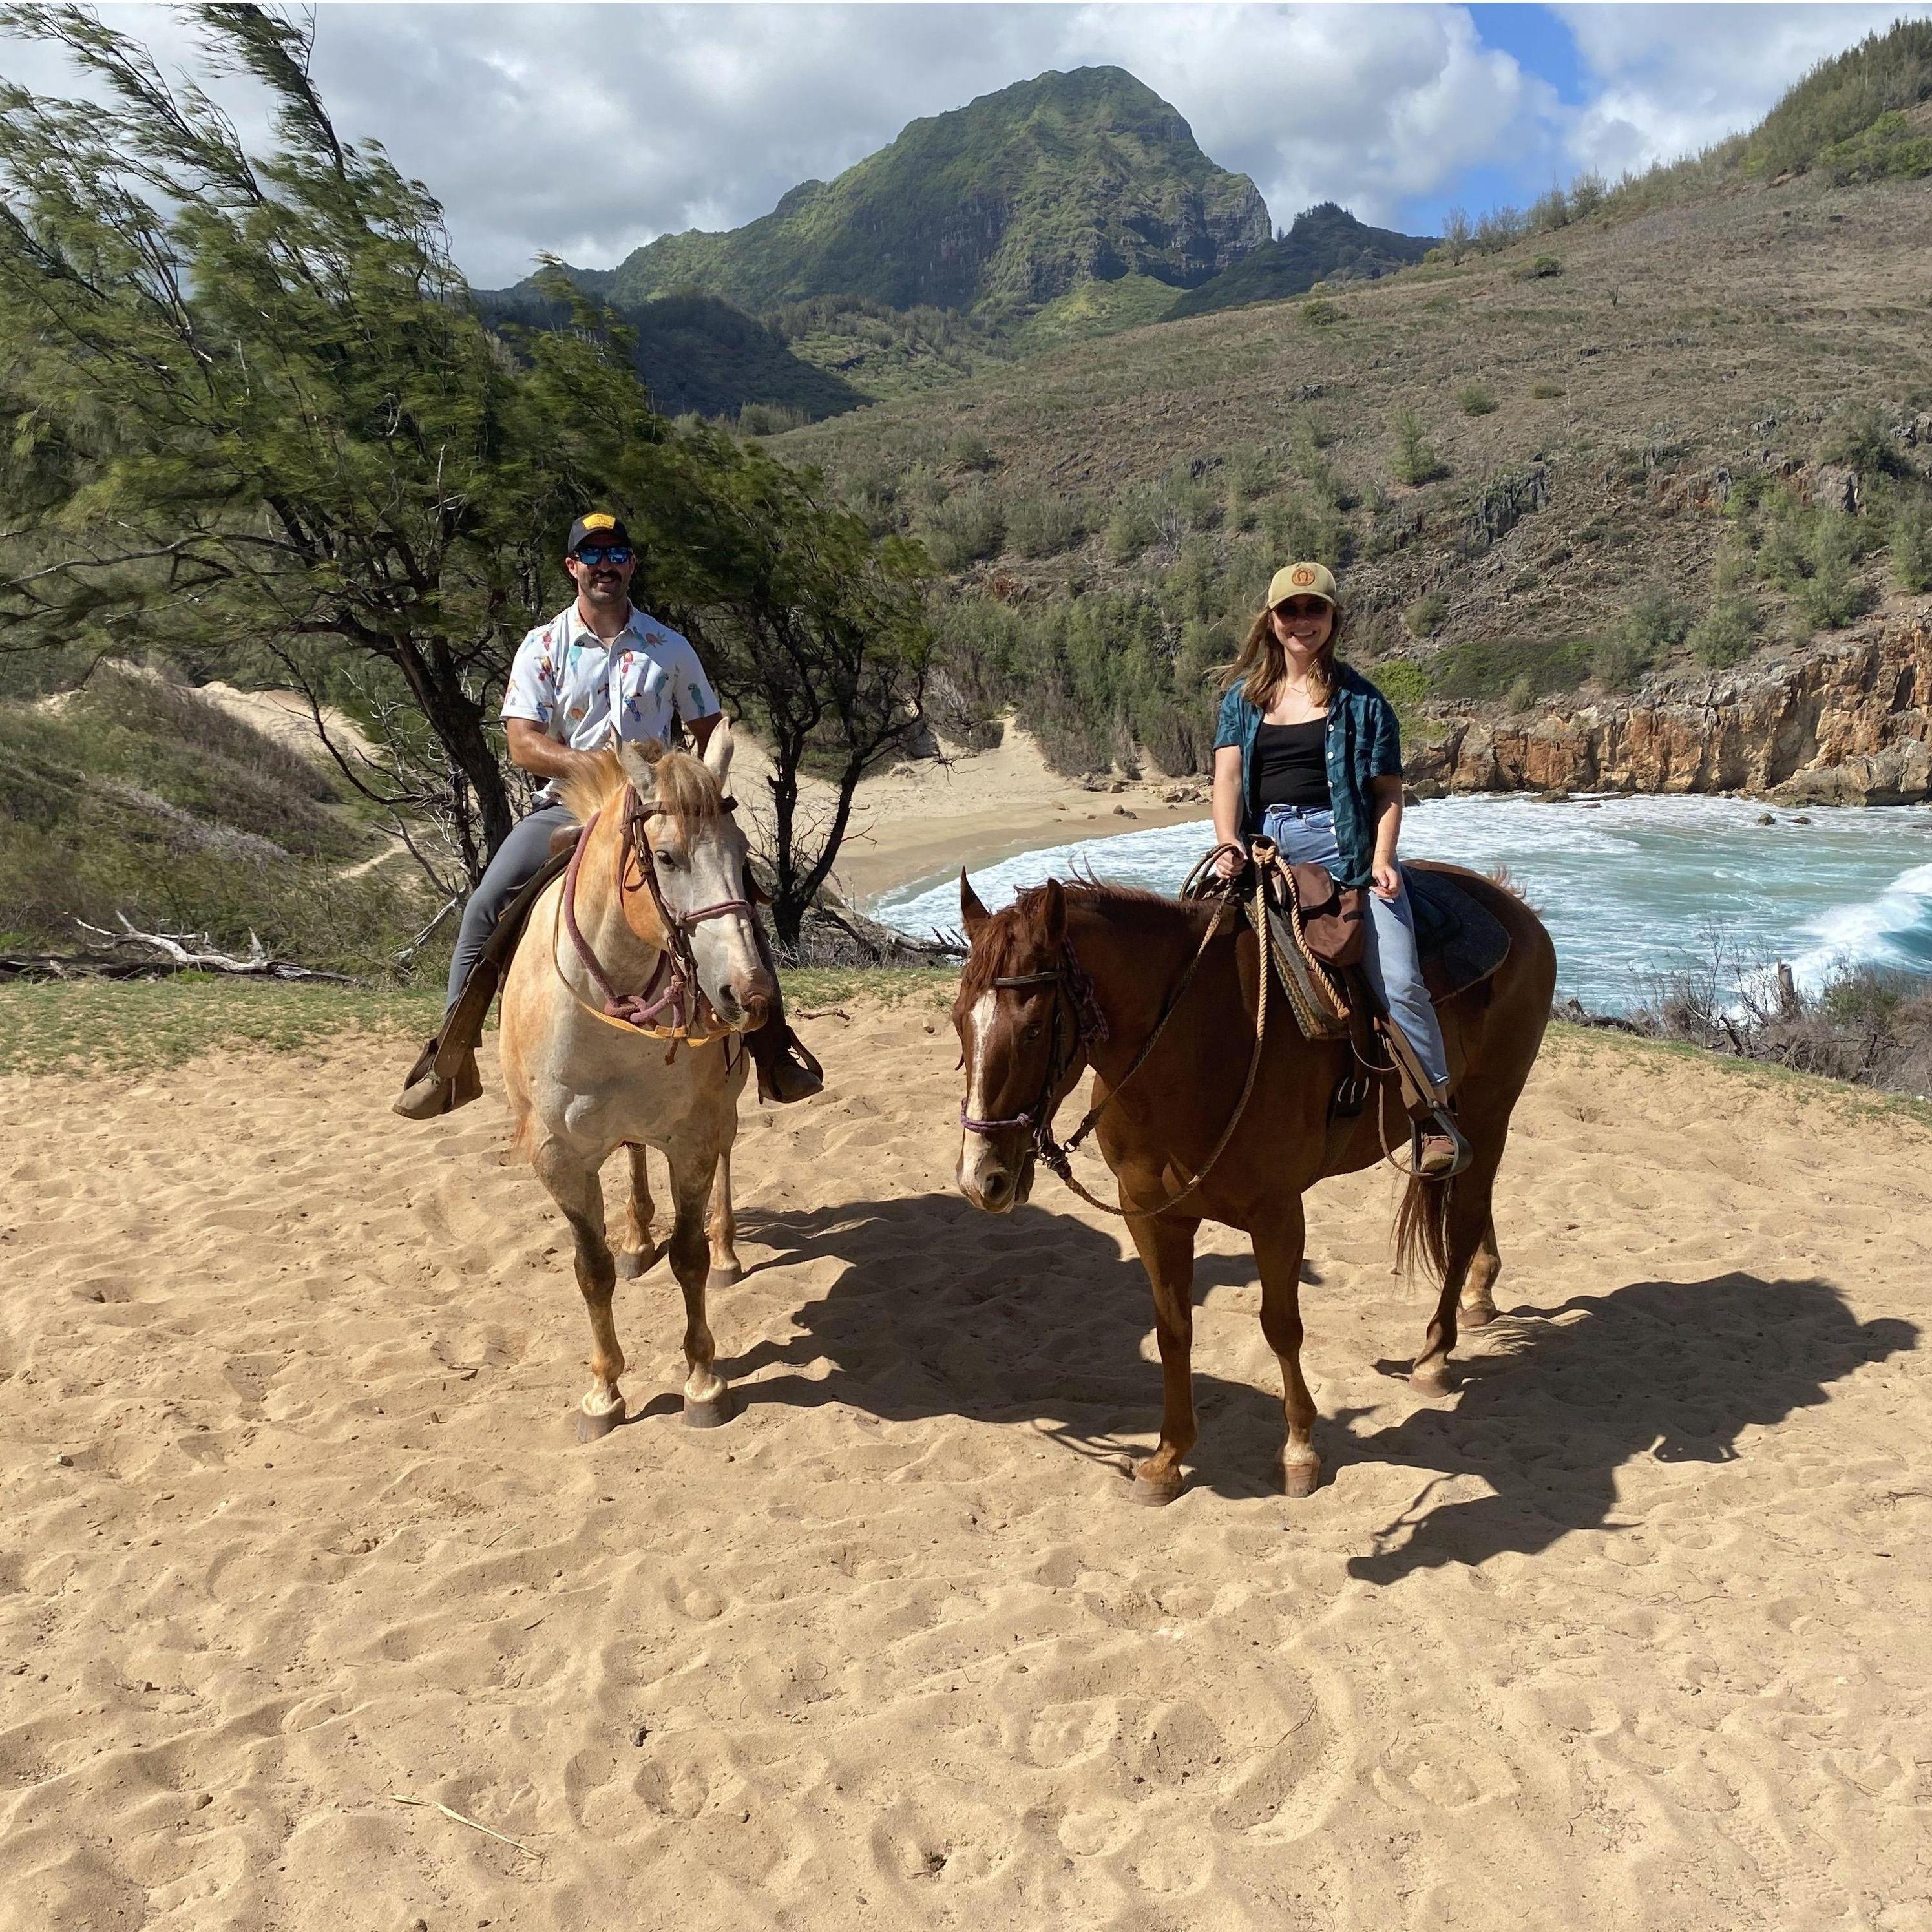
(578, 689)
(1363, 743)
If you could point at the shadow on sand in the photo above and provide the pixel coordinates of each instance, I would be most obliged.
(1044, 1325)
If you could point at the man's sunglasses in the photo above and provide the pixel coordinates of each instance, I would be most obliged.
(594, 554)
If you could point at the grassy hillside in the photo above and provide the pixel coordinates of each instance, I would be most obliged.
(998, 208)
(1590, 457)
(134, 795)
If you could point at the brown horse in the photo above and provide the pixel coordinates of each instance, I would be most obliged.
(1095, 967)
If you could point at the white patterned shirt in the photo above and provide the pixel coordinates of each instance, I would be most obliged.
(567, 680)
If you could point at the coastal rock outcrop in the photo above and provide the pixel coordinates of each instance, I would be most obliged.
(1850, 723)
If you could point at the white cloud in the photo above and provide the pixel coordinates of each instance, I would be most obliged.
(588, 130)
(1671, 80)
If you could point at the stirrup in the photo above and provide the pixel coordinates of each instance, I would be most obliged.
(426, 1094)
(1441, 1122)
(788, 1070)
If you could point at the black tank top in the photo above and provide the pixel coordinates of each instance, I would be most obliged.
(1291, 765)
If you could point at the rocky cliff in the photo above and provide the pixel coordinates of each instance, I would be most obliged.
(1849, 722)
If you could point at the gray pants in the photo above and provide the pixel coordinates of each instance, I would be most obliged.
(1306, 837)
(517, 861)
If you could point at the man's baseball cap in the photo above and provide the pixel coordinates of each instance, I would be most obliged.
(1301, 580)
(598, 525)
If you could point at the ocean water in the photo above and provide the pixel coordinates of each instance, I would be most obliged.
(1631, 889)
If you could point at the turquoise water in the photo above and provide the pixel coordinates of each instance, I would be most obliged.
(1630, 888)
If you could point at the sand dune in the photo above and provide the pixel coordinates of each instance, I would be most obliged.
(1629, 1632)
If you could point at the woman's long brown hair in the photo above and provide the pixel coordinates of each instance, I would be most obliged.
(1261, 664)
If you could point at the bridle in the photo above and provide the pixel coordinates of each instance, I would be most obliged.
(672, 1001)
(1074, 985)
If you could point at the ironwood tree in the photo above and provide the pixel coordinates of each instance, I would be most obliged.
(249, 401)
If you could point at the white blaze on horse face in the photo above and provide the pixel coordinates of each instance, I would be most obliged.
(980, 1019)
(979, 1163)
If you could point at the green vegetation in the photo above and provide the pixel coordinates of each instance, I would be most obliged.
(1042, 186)
(1485, 668)
(1723, 636)
(1842, 98)
(1473, 400)
(1547, 392)
(1911, 544)
(135, 797)
(1416, 461)
(1427, 614)
(1812, 554)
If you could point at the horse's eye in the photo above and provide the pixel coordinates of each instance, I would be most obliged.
(666, 860)
(1029, 1032)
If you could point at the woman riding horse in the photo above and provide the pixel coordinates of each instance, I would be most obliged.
(1308, 754)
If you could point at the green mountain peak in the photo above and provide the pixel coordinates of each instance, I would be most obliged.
(999, 207)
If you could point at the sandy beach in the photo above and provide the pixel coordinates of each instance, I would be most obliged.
(1629, 1630)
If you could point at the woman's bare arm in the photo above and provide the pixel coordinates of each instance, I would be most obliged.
(1228, 807)
(1385, 794)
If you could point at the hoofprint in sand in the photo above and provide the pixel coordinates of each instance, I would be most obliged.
(1631, 1631)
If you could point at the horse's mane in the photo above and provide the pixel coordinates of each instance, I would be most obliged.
(997, 952)
(685, 788)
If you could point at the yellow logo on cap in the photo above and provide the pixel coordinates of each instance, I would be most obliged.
(1301, 574)
(600, 522)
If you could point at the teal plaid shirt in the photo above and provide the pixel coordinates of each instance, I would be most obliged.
(1363, 743)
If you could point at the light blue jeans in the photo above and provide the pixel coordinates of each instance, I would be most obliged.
(1306, 837)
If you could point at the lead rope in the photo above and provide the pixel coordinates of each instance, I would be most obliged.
(1055, 1155)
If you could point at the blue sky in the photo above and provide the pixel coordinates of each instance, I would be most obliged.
(701, 116)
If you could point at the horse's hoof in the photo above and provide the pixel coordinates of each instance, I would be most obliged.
(593, 1424)
(1431, 1378)
(1476, 1314)
(708, 1415)
(1156, 1492)
(631, 1262)
(1301, 1479)
(723, 1277)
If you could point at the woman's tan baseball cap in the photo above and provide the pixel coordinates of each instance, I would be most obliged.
(1301, 580)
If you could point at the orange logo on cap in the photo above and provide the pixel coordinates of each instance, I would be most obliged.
(1301, 574)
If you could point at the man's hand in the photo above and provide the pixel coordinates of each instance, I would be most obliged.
(532, 749)
(1388, 879)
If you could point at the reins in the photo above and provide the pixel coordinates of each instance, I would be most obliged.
(670, 1005)
(1069, 979)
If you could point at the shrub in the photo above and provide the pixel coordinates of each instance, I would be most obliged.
(1546, 392)
(1856, 438)
(1044, 526)
(1537, 270)
(1619, 661)
(1912, 545)
(1475, 400)
(1520, 697)
(1486, 667)
(1831, 597)
(1416, 462)
(1130, 528)
(770, 419)
(1722, 637)
(1426, 615)
(1658, 619)
(1320, 314)
(966, 527)
(1252, 473)
(969, 450)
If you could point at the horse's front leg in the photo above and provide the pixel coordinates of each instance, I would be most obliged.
(573, 1185)
(1278, 1251)
(721, 1225)
(639, 1249)
(1167, 1252)
(706, 1398)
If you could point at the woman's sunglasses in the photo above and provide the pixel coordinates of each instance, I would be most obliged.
(594, 554)
(1300, 607)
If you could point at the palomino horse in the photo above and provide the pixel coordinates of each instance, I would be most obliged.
(584, 1080)
(1080, 975)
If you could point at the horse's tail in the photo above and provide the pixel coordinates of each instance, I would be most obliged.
(1422, 1227)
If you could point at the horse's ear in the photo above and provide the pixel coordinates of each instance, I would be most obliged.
(718, 750)
(1053, 912)
(639, 761)
(971, 912)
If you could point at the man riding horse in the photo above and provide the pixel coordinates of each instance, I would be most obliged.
(600, 669)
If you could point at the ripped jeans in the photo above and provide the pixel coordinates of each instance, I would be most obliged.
(1306, 836)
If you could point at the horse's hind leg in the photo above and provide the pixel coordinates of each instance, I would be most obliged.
(1478, 1306)
(706, 1399)
(639, 1249)
(1466, 1224)
(721, 1228)
(1278, 1253)
(574, 1186)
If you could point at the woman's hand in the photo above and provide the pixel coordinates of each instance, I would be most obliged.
(1388, 879)
(1229, 860)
